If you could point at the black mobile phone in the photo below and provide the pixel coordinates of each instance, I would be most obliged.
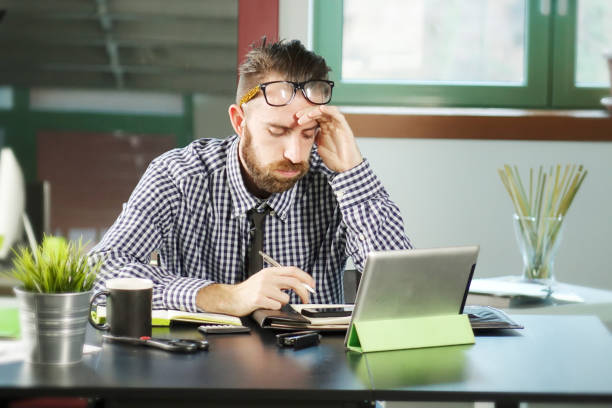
(298, 340)
(327, 311)
(223, 329)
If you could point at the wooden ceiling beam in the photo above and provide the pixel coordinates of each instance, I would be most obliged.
(225, 9)
(188, 57)
(188, 31)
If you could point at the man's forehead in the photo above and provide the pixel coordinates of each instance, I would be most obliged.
(285, 116)
(285, 119)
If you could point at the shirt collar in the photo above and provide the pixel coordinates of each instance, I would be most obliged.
(243, 200)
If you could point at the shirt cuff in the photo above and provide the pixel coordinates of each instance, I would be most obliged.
(357, 185)
(181, 293)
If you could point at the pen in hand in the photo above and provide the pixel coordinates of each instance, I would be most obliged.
(272, 262)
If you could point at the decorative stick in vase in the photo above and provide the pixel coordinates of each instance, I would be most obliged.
(539, 213)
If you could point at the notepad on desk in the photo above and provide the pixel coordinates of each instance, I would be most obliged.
(166, 317)
(510, 291)
(498, 287)
(290, 318)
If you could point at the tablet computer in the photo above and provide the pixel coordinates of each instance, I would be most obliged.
(414, 282)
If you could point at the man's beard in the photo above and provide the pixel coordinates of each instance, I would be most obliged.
(263, 175)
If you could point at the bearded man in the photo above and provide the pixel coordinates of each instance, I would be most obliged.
(291, 183)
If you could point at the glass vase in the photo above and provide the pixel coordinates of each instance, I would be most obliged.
(538, 240)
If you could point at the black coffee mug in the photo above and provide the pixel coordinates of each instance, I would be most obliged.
(128, 307)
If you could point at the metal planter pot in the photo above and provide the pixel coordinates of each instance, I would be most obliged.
(53, 325)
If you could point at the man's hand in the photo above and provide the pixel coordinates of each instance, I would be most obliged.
(264, 290)
(335, 140)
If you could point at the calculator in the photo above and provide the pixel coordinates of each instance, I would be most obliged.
(222, 328)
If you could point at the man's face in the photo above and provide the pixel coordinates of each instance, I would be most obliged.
(274, 150)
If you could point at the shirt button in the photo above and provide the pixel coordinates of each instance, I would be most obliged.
(362, 237)
(272, 213)
(339, 194)
(183, 309)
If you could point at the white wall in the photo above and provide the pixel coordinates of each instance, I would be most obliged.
(449, 191)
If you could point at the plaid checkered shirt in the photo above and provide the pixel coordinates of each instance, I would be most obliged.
(191, 206)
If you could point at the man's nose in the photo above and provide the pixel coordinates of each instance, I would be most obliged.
(294, 151)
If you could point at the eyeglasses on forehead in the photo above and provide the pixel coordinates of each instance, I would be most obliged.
(281, 93)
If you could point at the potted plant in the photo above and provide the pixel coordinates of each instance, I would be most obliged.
(56, 282)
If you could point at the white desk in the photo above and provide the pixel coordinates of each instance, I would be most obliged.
(597, 302)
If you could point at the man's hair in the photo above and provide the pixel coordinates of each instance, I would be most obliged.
(288, 58)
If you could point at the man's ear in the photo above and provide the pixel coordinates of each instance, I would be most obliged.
(237, 118)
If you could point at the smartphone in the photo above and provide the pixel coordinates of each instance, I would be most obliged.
(223, 329)
(328, 311)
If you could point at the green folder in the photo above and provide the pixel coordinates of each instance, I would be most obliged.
(408, 333)
(9, 322)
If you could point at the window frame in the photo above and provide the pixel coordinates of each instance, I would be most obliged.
(548, 69)
(565, 93)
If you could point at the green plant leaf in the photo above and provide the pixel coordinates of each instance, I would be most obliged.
(56, 266)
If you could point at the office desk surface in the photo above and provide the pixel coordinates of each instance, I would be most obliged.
(555, 358)
(238, 367)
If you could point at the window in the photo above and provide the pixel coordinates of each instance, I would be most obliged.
(583, 32)
(594, 36)
(506, 53)
(427, 45)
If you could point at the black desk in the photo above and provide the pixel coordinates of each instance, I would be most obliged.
(556, 358)
(238, 369)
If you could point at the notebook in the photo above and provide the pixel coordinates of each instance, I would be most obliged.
(165, 317)
(289, 317)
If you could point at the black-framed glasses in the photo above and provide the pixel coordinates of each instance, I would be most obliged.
(281, 93)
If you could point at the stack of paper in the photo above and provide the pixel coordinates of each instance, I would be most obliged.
(487, 318)
(506, 288)
(503, 293)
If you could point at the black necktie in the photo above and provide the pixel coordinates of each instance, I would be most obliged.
(257, 228)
